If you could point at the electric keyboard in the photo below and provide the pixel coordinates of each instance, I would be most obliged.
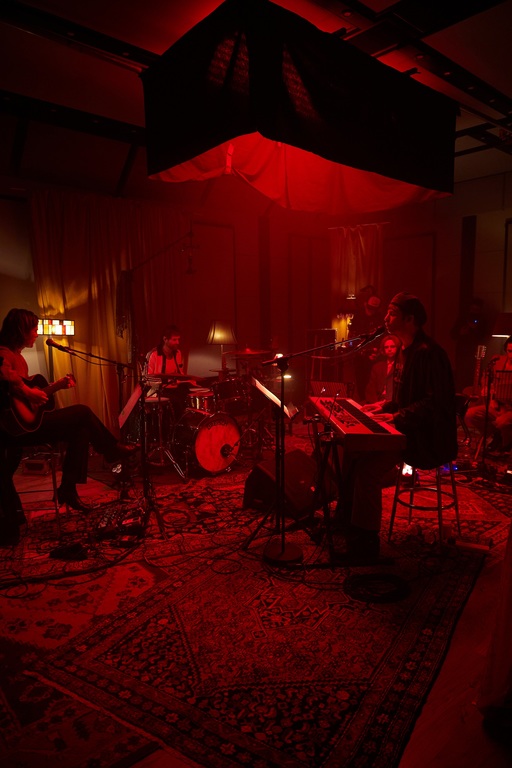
(355, 429)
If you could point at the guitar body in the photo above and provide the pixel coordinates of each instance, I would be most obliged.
(23, 416)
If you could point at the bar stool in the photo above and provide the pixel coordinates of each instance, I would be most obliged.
(444, 499)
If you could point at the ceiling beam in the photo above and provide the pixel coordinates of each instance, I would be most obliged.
(61, 30)
(27, 108)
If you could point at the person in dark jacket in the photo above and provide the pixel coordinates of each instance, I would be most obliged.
(422, 408)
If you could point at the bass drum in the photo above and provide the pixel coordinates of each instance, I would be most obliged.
(212, 441)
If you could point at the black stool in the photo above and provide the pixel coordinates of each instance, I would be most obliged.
(445, 499)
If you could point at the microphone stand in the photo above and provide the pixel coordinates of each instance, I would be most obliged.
(120, 372)
(278, 551)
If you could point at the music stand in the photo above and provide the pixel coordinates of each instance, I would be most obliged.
(278, 551)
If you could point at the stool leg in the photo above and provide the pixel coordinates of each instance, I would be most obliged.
(439, 506)
(455, 497)
(395, 499)
(411, 493)
(53, 469)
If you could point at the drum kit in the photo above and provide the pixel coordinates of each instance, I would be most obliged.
(217, 422)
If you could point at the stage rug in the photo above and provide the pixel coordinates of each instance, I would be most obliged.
(232, 663)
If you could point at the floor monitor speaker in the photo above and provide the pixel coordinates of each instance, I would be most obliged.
(300, 472)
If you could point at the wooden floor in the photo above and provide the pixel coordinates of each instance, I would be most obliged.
(449, 732)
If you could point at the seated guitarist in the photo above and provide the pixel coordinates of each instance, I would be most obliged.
(76, 426)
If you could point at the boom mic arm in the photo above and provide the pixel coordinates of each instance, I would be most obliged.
(52, 343)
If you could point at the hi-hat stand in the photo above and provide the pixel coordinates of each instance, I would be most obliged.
(161, 449)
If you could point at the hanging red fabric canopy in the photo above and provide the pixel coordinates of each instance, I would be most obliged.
(303, 116)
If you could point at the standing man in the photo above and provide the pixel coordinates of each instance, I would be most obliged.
(422, 408)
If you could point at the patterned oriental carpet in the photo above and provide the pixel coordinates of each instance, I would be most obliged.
(194, 644)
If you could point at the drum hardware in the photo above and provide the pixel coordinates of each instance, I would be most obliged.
(208, 441)
(224, 371)
(201, 399)
(181, 377)
(256, 436)
(161, 450)
(231, 395)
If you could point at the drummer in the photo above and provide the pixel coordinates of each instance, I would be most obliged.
(165, 360)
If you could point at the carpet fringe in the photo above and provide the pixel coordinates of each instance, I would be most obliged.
(150, 737)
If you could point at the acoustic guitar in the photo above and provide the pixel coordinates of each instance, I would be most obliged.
(21, 416)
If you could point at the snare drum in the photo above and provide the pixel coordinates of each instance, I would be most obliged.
(200, 399)
(212, 441)
(231, 395)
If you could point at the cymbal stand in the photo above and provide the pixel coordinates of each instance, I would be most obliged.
(256, 426)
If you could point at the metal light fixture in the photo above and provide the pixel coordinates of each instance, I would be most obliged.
(52, 327)
(49, 327)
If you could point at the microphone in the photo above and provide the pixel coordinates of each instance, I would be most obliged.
(52, 343)
(226, 450)
(380, 331)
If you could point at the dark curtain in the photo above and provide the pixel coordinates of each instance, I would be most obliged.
(252, 66)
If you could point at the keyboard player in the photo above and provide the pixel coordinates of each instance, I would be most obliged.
(422, 408)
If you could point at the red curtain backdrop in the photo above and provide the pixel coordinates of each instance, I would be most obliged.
(297, 179)
(81, 245)
(356, 258)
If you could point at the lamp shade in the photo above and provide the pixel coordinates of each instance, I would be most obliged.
(503, 325)
(221, 332)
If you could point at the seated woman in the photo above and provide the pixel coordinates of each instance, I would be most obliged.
(76, 426)
(380, 384)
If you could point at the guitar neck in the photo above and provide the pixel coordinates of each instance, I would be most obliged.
(51, 388)
(480, 354)
(63, 383)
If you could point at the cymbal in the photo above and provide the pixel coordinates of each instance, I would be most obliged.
(251, 353)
